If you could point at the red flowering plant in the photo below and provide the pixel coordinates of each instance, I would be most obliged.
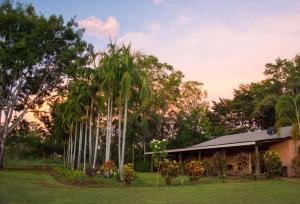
(169, 170)
(194, 169)
(108, 169)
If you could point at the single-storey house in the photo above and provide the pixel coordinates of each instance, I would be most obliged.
(253, 143)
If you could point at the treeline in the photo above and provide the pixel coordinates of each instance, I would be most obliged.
(109, 105)
(253, 106)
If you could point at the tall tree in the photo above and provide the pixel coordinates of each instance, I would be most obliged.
(36, 53)
(288, 113)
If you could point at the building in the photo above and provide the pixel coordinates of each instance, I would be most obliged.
(253, 143)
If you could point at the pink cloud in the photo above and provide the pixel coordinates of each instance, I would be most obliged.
(157, 1)
(96, 27)
(220, 55)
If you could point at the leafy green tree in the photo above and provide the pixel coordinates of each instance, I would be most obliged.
(288, 113)
(36, 53)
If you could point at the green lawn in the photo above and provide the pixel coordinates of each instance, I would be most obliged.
(28, 186)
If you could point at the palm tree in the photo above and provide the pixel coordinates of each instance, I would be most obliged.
(109, 66)
(288, 113)
(132, 79)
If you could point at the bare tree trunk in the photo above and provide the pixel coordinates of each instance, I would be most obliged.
(90, 133)
(124, 140)
(84, 150)
(79, 146)
(96, 141)
(74, 151)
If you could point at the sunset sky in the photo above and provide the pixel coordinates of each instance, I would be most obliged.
(221, 43)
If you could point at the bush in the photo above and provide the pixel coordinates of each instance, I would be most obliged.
(91, 172)
(169, 170)
(208, 166)
(108, 169)
(71, 176)
(194, 169)
(219, 164)
(129, 173)
(242, 163)
(273, 165)
(296, 165)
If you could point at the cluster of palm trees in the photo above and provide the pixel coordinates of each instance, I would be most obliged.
(95, 100)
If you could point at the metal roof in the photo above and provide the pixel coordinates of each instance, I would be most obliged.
(242, 139)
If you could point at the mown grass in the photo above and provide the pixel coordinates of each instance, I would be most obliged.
(33, 186)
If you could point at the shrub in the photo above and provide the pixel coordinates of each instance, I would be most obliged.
(208, 166)
(91, 172)
(296, 165)
(219, 164)
(169, 170)
(108, 169)
(242, 163)
(129, 173)
(273, 165)
(194, 169)
(71, 176)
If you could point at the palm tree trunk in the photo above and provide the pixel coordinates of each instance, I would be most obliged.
(74, 151)
(84, 148)
(124, 139)
(108, 143)
(90, 133)
(79, 146)
(119, 136)
(96, 142)
(107, 131)
(71, 147)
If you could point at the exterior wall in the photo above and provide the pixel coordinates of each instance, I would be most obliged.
(286, 150)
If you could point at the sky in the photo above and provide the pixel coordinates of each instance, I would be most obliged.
(221, 43)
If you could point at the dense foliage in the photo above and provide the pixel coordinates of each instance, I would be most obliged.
(169, 169)
(129, 173)
(242, 162)
(108, 169)
(273, 165)
(219, 164)
(36, 56)
(70, 176)
(194, 169)
(296, 165)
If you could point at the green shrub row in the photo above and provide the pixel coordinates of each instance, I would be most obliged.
(71, 176)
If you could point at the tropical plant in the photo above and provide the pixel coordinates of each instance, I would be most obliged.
(129, 173)
(242, 163)
(296, 165)
(288, 113)
(108, 169)
(208, 166)
(159, 152)
(71, 176)
(194, 169)
(272, 162)
(169, 169)
(219, 164)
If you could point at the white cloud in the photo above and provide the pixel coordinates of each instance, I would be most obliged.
(218, 54)
(96, 27)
